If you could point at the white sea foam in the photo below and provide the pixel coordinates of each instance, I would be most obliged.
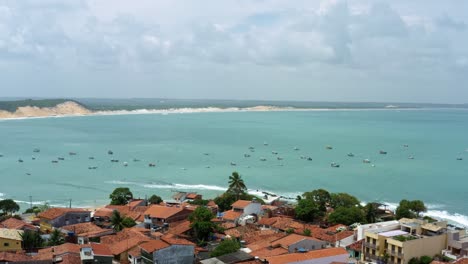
(175, 186)
(457, 219)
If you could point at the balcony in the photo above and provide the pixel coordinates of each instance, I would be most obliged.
(395, 254)
(371, 245)
(368, 256)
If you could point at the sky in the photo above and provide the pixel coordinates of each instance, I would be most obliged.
(307, 50)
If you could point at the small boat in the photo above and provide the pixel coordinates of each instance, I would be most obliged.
(459, 158)
(72, 153)
(303, 157)
(279, 158)
(152, 165)
(350, 154)
(251, 147)
(207, 167)
(206, 154)
(1, 155)
(28, 173)
(55, 161)
(263, 159)
(20, 160)
(183, 168)
(92, 168)
(296, 148)
(366, 161)
(36, 150)
(252, 150)
(274, 152)
(114, 160)
(233, 164)
(33, 158)
(246, 156)
(335, 165)
(110, 152)
(136, 160)
(265, 143)
(60, 158)
(125, 163)
(383, 152)
(405, 145)
(329, 147)
(91, 158)
(309, 158)
(410, 157)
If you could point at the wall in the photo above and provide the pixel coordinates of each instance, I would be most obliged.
(13, 245)
(175, 254)
(309, 244)
(427, 246)
(253, 208)
(382, 227)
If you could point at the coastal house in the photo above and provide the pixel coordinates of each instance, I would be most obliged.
(121, 243)
(159, 215)
(58, 217)
(168, 250)
(72, 253)
(180, 197)
(231, 258)
(84, 233)
(95, 253)
(243, 212)
(13, 223)
(10, 239)
(328, 255)
(457, 244)
(413, 238)
(298, 243)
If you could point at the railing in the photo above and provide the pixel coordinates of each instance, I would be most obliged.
(371, 245)
(395, 253)
(370, 256)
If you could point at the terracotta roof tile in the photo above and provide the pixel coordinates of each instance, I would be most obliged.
(13, 257)
(268, 252)
(59, 250)
(121, 236)
(174, 240)
(103, 212)
(135, 203)
(461, 261)
(241, 204)
(264, 241)
(101, 249)
(153, 245)
(53, 213)
(158, 211)
(192, 196)
(231, 215)
(13, 223)
(180, 228)
(290, 239)
(71, 259)
(127, 244)
(314, 254)
(82, 228)
(211, 203)
(356, 246)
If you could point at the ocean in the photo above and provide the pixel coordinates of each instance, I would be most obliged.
(194, 152)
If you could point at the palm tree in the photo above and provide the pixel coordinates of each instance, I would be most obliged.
(236, 184)
(117, 221)
(56, 238)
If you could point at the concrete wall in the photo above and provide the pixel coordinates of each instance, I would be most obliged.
(427, 246)
(71, 219)
(345, 242)
(175, 254)
(308, 244)
(13, 245)
(383, 226)
(253, 208)
(327, 260)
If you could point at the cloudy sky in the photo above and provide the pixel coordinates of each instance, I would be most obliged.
(356, 50)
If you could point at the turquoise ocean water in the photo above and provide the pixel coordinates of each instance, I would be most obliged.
(177, 143)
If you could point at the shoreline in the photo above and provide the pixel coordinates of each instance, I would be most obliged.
(216, 110)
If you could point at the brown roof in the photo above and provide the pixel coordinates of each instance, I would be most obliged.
(82, 228)
(314, 254)
(136, 252)
(125, 245)
(13, 257)
(263, 241)
(71, 259)
(174, 240)
(356, 246)
(211, 203)
(461, 261)
(268, 252)
(13, 223)
(153, 245)
(290, 239)
(135, 203)
(231, 215)
(158, 211)
(121, 236)
(241, 204)
(53, 213)
(180, 228)
(48, 253)
(103, 212)
(192, 195)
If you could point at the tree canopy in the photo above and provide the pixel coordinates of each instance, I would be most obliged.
(320, 196)
(225, 247)
(9, 206)
(155, 199)
(236, 185)
(343, 200)
(347, 216)
(200, 221)
(121, 196)
(307, 210)
(410, 209)
(31, 240)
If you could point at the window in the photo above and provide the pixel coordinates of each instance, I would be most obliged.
(6, 244)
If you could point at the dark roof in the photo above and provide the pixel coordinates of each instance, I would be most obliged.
(235, 257)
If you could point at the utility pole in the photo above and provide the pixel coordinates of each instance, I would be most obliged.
(30, 201)
(70, 202)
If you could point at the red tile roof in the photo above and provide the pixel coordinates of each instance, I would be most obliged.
(192, 196)
(461, 261)
(82, 228)
(48, 253)
(158, 211)
(53, 213)
(231, 215)
(314, 254)
(13, 223)
(290, 239)
(356, 246)
(180, 228)
(268, 252)
(126, 245)
(241, 204)
(13, 257)
(153, 245)
(103, 212)
(135, 203)
(136, 252)
(121, 236)
(174, 240)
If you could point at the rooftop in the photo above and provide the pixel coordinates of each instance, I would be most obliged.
(53, 213)
(241, 204)
(290, 239)
(13, 223)
(393, 233)
(12, 234)
(159, 211)
(153, 245)
(314, 254)
(82, 228)
(231, 215)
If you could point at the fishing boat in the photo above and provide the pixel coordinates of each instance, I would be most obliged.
(366, 161)
(460, 158)
(136, 160)
(263, 159)
(36, 150)
(72, 153)
(1, 155)
(410, 157)
(274, 152)
(405, 145)
(251, 147)
(350, 154)
(265, 143)
(152, 165)
(206, 154)
(246, 155)
(279, 158)
(60, 158)
(309, 158)
(115, 160)
(125, 163)
(55, 161)
(335, 165)
(110, 152)
(91, 158)
(296, 148)
(329, 147)
(233, 163)
(20, 160)
(383, 152)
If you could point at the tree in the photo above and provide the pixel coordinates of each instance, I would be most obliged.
(371, 212)
(418, 206)
(128, 222)
(117, 221)
(225, 247)
(225, 201)
(121, 196)
(154, 199)
(307, 232)
(410, 209)
(31, 240)
(56, 238)
(343, 200)
(425, 260)
(414, 260)
(200, 221)
(307, 210)
(346, 216)
(236, 185)
(9, 206)
(320, 196)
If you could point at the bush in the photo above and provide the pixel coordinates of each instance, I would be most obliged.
(225, 247)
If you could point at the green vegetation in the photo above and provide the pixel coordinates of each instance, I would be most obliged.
(320, 197)
(11, 106)
(121, 196)
(225, 247)
(201, 202)
(31, 240)
(343, 200)
(402, 238)
(56, 238)
(8, 206)
(236, 185)
(119, 223)
(200, 221)
(237, 190)
(422, 260)
(410, 209)
(307, 232)
(347, 216)
(307, 210)
(155, 199)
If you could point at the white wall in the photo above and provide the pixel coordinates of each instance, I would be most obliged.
(253, 208)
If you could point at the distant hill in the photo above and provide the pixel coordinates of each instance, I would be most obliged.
(12, 106)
